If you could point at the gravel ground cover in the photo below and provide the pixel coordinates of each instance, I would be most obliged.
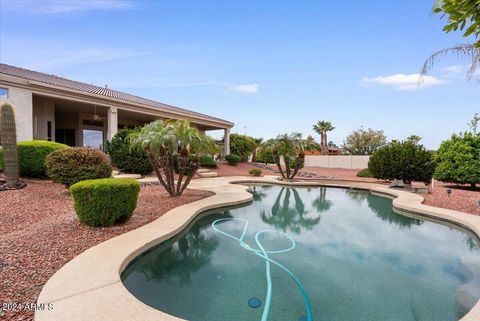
(461, 198)
(39, 233)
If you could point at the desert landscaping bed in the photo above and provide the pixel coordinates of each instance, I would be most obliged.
(39, 233)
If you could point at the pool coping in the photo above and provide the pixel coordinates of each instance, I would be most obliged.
(89, 286)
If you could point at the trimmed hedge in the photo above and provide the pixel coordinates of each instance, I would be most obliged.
(404, 160)
(72, 165)
(233, 159)
(31, 157)
(104, 202)
(126, 159)
(207, 161)
(255, 172)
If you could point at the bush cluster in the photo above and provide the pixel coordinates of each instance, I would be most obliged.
(126, 159)
(242, 146)
(265, 156)
(364, 173)
(104, 202)
(31, 157)
(233, 159)
(405, 160)
(459, 159)
(72, 165)
(255, 172)
(207, 161)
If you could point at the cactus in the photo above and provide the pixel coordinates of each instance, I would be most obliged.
(9, 142)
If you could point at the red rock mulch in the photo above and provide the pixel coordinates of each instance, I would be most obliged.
(39, 233)
(241, 169)
(461, 198)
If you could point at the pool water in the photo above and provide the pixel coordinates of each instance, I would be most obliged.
(311, 254)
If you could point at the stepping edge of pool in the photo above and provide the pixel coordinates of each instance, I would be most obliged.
(89, 286)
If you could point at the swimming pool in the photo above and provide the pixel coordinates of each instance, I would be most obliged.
(310, 254)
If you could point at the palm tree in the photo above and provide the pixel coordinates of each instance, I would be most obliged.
(321, 128)
(291, 148)
(462, 16)
(172, 148)
(258, 142)
(469, 50)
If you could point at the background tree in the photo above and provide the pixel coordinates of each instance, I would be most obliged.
(124, 158)
(173, 147)
(364, 142)
(459, 158)
(463, 15)
(322, 128)
(474, 123)
(292, 149)
(258, 143)
(242, 145)
(414, 138)
(406, 160)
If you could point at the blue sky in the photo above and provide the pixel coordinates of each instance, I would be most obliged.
(269, 66)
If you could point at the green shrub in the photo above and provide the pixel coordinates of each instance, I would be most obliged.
(104, 202)
(190, 165)
(126, 159)
(405, 160)
(364, 173)
(71, 165)
(207, 161)
(31, 157)
(233, 159)
(265, 156)
(459, 160)
(242, 146)
(293, 163)
(255, 172)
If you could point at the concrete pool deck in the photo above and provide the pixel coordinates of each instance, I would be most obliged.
(89, 286)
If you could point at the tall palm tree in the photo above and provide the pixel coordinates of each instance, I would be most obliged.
(292, 149)
(172, 148)
(321, 128)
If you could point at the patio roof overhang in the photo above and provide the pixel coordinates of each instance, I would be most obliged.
(40, 88)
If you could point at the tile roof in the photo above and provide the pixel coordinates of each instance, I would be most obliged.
(101, 91)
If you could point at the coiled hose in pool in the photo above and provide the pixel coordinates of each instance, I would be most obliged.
(263, 253)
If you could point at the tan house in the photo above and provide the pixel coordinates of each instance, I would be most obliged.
(78, 114)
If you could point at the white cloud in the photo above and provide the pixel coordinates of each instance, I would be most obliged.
(455, 69)
(246, 88)
(64, 6)
(404, 81)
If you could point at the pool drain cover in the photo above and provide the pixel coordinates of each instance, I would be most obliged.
(254, 303)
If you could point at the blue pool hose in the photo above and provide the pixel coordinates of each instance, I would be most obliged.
(261, 252)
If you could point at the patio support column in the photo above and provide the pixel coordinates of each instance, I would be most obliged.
(226, 141)
(112, 122)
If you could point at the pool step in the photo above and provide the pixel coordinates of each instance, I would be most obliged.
(208, 174)
(134, 176)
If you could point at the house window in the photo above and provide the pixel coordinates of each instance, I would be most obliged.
(3, 93)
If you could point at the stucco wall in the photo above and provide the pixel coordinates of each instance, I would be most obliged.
(23, 103)
(43, 112)
(343, 161)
